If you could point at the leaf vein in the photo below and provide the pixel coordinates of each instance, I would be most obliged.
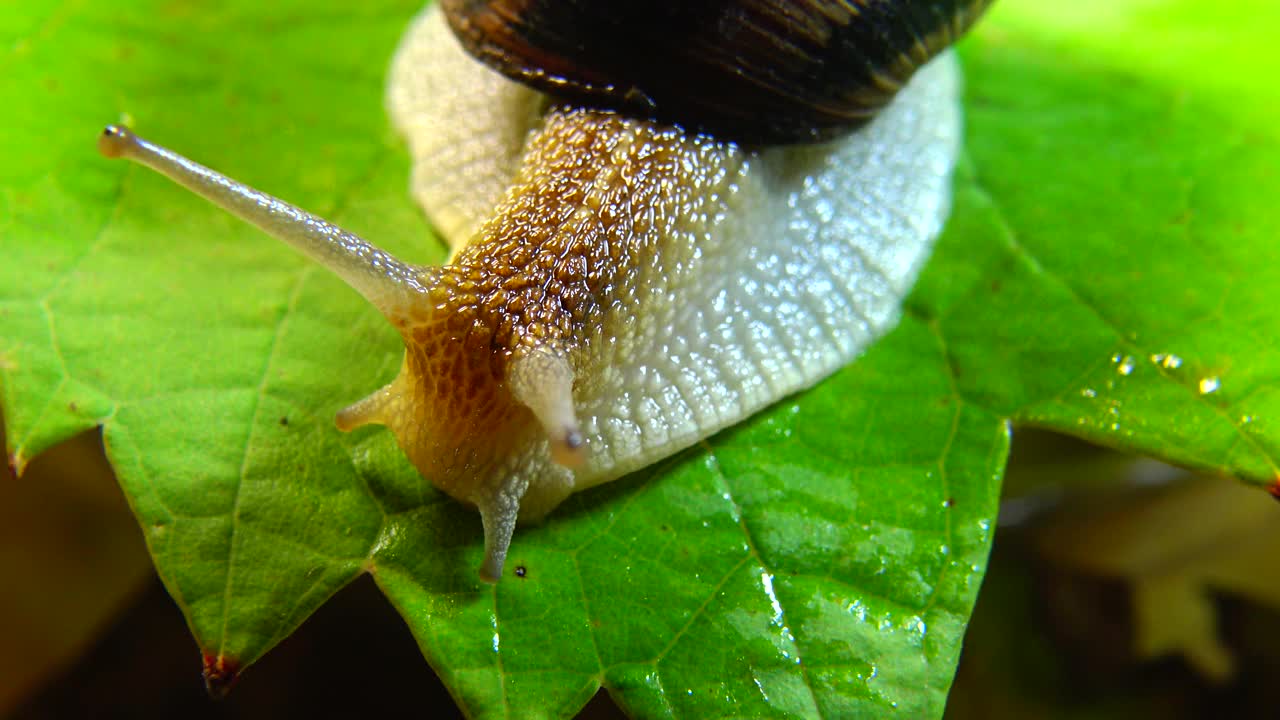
(282, 323)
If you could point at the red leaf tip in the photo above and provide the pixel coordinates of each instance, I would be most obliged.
(1274, 488)
(220, 673)
(17, 463)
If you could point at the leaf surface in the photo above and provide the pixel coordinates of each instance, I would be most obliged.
(1107, 272)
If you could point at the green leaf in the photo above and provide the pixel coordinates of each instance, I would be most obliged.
(1114, 212)
(1129, 285)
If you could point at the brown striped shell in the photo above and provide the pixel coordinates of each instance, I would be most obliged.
(752, 71)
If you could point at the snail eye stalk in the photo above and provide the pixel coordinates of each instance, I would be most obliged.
(382, 279)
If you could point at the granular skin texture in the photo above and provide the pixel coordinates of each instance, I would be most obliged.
(600, 205)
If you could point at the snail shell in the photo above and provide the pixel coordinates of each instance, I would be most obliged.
(620, 288)
(752, 71)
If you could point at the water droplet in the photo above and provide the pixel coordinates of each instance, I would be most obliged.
(1209, 385)
(1168, 361)
(1124, 365)
(1089, 393)
(1246, 419)
(857, 610)
(915, 625)
(766, 579)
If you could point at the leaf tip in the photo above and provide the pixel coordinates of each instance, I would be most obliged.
(1274, 488)
(17, 463)
(220, 674)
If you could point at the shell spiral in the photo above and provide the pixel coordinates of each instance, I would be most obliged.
(752, 71)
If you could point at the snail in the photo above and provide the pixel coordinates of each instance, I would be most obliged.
(645, 247)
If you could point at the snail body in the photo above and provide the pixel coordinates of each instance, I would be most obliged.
(619, 287)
